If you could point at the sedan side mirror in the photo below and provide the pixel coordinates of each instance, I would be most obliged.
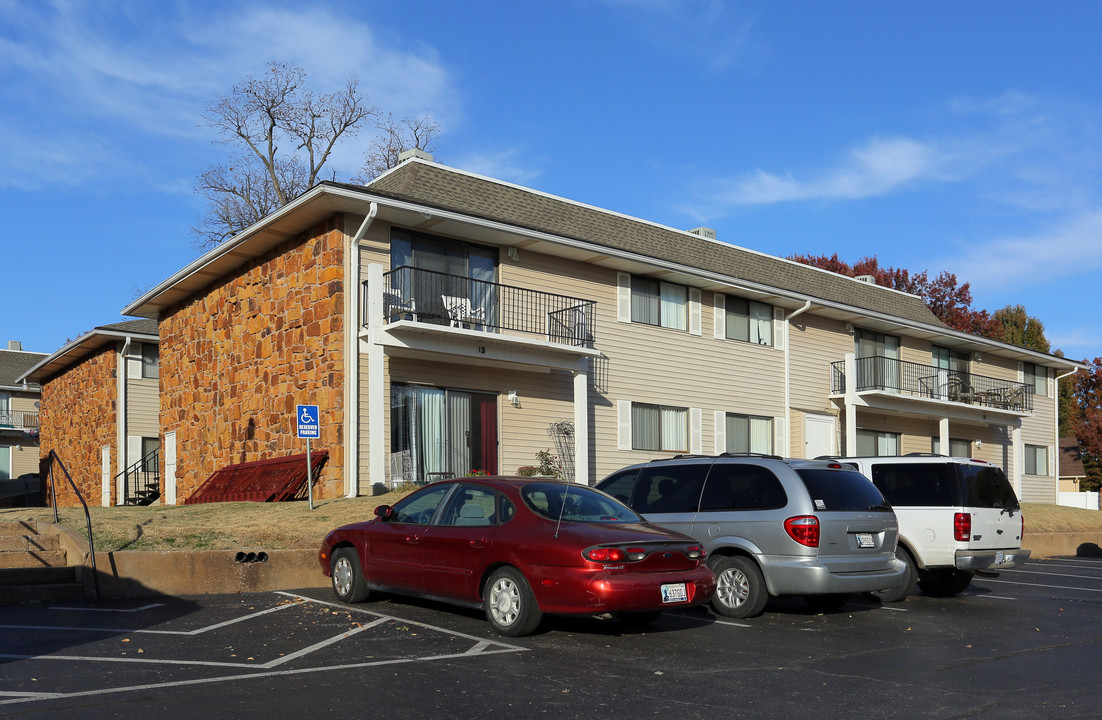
(384, 512)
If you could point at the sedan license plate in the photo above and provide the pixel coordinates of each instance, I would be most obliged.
(674, 592)
(865, 540)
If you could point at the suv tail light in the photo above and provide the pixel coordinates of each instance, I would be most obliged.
(962, 526)
(804, 529)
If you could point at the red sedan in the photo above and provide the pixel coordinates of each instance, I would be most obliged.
(519, 548)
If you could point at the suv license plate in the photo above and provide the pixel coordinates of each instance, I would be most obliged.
(1000, 557)
(674, 592)
(864, 540)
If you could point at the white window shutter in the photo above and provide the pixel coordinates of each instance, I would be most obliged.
(1021, 372)
(623, 420)
(780, 434)
(694, 312)
(779, 334)
(696, 433)
(134, 364)
(721, 432)
(719, 303)
(1050, 383)
(623, 297)
(133, 450)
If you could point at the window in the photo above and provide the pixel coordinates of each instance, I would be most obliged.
(748, 433)
(7, 418)
(437, 433)
(659, 303)
(657, 427)
(871, 443)
(151, 360)
(1037, 377)
(471, 506)
(439, 267)
(150, 445)
(749, 321)
(418, 508)
(671, 488)
(877, 360)
(1036, 460)
(738, 486)
(952, 360)
(5, 462)
(957, 448)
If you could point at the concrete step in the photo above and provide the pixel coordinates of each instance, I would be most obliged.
(10, 577)
(19, 527)
(23, 543)
(33, 559)
(51, 592)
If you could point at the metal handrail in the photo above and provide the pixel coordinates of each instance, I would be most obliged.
(141, 467)
(87, 515)
(19, 419)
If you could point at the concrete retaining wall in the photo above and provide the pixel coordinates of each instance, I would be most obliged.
(1056, 544)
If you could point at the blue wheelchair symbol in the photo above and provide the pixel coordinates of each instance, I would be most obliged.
(305, 418)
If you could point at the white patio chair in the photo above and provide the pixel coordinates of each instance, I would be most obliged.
(394, 306)
(460, 311)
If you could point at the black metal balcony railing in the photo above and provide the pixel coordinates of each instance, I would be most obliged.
(18, 419)
(438, 298)
(928, 381)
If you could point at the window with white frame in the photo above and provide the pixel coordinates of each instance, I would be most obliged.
(749, 433)
(1037, 377)
(874, 443)
(654, 302)
(957, 448)
(151, 360)
(659, 427)
(1036, 460)
(749, 321)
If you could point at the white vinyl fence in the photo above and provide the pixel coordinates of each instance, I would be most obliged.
(1086, 500)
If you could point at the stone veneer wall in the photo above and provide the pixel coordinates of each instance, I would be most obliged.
(237, 358)
(77, 418)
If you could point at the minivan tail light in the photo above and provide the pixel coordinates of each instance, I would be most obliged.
(804, 529)
(962, 526)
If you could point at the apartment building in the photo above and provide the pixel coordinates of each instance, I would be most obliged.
(443, 322)
(18, 413)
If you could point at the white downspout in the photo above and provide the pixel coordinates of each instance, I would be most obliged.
(787, 377)
(1056, 426)
(352, 357)
(122, 451)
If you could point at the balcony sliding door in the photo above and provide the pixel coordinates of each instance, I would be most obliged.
(457, 269)
(877, 361)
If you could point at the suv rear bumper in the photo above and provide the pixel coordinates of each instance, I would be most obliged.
(786, 575)
(986, 559)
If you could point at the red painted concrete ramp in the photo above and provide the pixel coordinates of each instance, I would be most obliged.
(274, 480)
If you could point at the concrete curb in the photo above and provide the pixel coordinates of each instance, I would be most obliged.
(1057, 544)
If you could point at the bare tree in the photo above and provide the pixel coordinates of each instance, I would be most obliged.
(258, 116)
(419, 133)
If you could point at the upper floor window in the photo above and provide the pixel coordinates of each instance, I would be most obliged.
(749, 321)
(658, 427)
(654, 302)
(748, 433)
(875, 344)
(949, 359)
(1037, 377)
(151, 360)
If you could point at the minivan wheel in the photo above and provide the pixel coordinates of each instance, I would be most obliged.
(944, 582)
(740, 587)
(904, 588)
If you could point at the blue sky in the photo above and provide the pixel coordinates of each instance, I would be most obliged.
(937, 136)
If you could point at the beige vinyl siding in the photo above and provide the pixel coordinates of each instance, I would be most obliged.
(143, 407)
(1039, 429)
(815, 343)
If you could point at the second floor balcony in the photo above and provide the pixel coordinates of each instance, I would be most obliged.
(442, 299)
(18, 420)
(900, 377)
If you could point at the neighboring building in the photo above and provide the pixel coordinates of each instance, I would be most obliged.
(1072, 471)
(18, 413)
(443, 321)
(100, 413)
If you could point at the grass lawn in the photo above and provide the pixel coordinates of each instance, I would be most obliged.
(268, 526)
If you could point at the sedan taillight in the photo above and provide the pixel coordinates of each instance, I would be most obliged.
(962, 526)
(804, 529)
(604, 554)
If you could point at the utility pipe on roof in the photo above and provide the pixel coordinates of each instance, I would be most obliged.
(352, 356)
(787, 377)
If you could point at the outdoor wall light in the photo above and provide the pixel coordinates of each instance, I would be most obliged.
(514, 399)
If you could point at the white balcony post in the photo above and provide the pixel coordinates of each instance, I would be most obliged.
(943, 434)
(851, 404)
(581, 425)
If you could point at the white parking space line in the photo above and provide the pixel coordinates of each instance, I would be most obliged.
(711, 620)
(1017, 571)
(1042, 585)
(480, 646)
(112, 610)
(1079, 563)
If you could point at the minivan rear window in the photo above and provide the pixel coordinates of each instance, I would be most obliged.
(841, 490)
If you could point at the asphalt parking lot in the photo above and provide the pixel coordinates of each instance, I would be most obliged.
(1024, 645)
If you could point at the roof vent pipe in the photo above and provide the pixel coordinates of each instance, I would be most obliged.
(415, 153)
(870, 279)
(15, 345)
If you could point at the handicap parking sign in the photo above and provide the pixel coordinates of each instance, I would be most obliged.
(308, 421)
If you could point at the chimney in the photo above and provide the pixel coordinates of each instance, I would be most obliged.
(705, 232)
(415, 153)
(15, 345)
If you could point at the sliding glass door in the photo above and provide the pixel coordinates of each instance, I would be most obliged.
(446, 268)
(438, 433)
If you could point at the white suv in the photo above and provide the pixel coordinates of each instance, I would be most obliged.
(957, 517)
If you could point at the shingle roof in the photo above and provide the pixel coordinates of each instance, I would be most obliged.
(447, 189)
(14, 363)
(140, 327)
(1071, 459)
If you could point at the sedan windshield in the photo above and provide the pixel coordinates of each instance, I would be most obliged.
(575, 504)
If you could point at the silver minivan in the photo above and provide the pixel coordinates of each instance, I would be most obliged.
(771, 526)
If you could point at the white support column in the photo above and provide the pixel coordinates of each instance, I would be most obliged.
(376, 395)
(943, 435)
(1018, 458)
(581, 425)
(851, 404)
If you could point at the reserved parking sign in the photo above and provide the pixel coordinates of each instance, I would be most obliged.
(308, 421)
